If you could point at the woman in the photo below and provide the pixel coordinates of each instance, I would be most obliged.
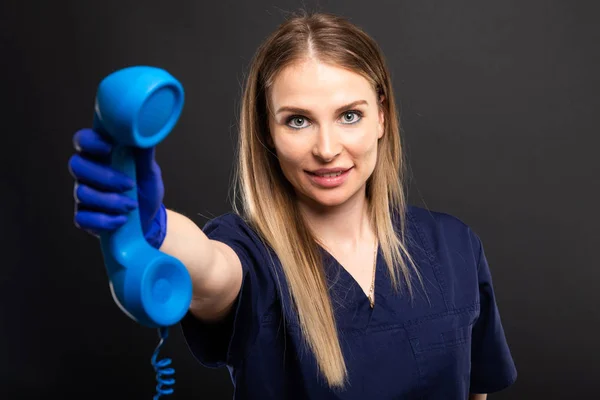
(325, 284)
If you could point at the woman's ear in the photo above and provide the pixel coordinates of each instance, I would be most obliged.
(381, 124)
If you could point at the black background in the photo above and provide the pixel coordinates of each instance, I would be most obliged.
(498, 105)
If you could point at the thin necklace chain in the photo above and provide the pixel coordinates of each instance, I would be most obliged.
(372, 289)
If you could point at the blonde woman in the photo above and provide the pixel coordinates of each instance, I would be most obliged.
(323, 283)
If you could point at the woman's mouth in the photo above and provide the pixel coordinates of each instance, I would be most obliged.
(329, 179)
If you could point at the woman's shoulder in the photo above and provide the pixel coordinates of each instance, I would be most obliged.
(230, 223)
(236, 231)
(441, 228)
(229, 219)
(434, 218)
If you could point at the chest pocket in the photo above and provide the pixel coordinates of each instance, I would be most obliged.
(441, 347)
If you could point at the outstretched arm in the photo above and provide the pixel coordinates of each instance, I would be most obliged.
(215, 269)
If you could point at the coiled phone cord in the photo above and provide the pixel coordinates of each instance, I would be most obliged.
(164, 375)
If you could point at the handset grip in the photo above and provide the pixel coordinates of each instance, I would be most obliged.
(137, 107)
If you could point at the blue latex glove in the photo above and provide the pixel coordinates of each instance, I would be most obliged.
(100, 205)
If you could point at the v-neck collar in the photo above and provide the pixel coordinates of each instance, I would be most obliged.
(351, 304)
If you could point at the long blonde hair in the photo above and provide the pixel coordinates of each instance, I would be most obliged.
(268, 200)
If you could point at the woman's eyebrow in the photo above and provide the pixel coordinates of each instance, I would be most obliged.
(303, 111)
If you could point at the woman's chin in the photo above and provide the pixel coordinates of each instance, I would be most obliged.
(329, 199)
(325, 198)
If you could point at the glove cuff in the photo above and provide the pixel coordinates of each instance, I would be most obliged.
(158, 229)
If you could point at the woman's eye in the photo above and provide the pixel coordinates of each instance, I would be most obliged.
(297, 122)
(350, 117)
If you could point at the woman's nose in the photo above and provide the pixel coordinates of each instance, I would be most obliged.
(327, 145)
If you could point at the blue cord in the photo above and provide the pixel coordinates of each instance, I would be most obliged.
(163, 374)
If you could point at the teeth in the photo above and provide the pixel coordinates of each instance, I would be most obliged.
(331, 175)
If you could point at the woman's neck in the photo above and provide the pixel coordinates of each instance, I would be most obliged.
(345, 227)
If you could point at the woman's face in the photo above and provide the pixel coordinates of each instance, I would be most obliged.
(325, 123)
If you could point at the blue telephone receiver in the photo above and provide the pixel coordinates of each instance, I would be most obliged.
(137, 107)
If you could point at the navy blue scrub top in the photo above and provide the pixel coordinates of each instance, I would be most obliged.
(442, 345)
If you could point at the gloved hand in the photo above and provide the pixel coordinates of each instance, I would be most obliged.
(100, 202)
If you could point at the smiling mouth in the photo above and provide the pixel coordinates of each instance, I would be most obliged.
(329, 179)
(333, 174)
(328, 175)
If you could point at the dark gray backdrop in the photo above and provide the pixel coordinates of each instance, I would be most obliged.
(498, 103)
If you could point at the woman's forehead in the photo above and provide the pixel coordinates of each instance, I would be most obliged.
(309, 82)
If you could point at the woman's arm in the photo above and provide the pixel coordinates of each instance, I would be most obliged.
(478, 396)
(215, 269)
